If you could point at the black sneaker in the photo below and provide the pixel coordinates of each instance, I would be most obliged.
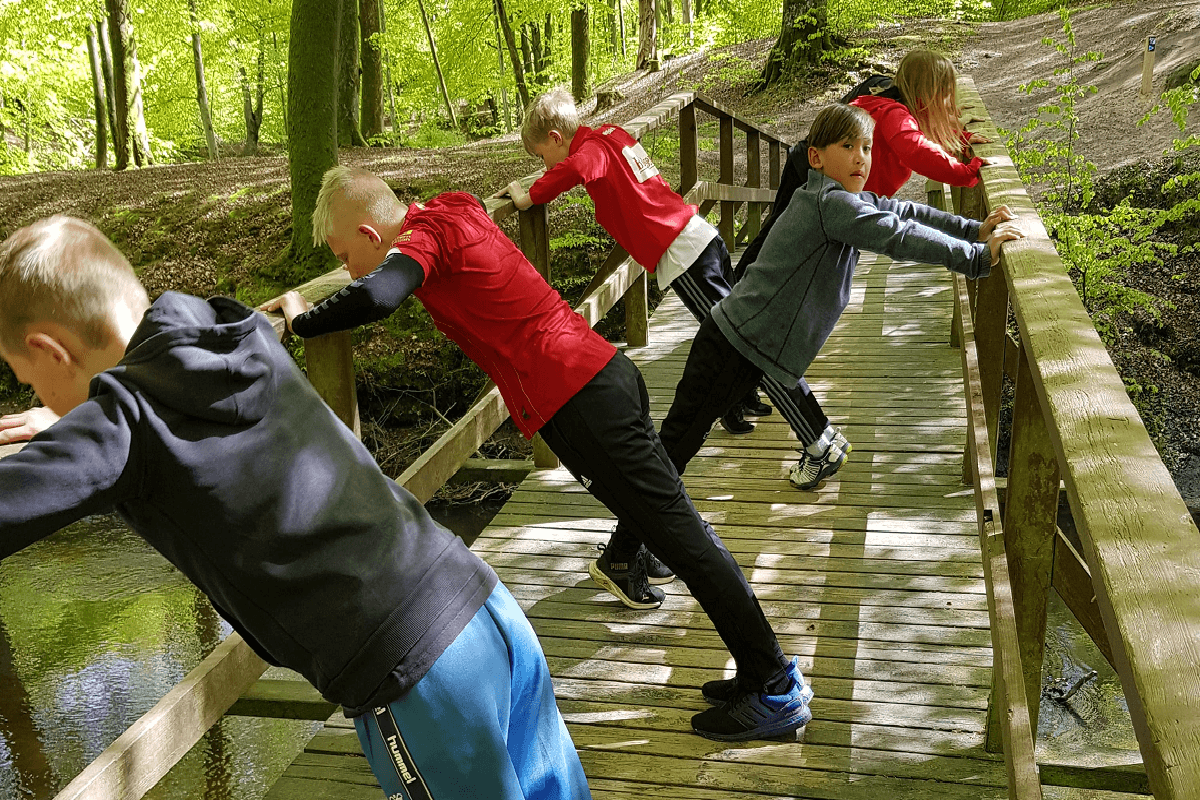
(755, 714)
(753, 407)
(658, 573)
(734, 422)
(627, 581)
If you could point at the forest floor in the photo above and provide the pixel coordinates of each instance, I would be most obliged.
(218, 227)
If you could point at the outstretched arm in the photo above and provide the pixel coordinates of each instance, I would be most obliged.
(852, 219)
(920, 154)
(80, 466)
(369, 299)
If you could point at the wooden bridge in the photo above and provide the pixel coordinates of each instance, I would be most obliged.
(915, 600)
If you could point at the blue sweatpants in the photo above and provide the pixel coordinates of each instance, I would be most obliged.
(482, 724)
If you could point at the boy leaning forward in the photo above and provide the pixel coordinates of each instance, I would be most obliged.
(561, 379)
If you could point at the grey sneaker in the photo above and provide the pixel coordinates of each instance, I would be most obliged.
(810, 471)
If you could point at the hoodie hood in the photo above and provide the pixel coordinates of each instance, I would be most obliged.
(203, 358)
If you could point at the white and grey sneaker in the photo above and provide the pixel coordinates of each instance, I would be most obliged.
(811, 470)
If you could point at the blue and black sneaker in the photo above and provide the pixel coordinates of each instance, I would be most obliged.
(754, 714)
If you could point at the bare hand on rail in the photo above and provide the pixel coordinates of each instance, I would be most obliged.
(1003, 233)
(291, 304)
(998, 215)
(977, 138)
(24, 426)
(517, 192)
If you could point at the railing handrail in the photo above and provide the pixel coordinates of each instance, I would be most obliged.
(1138, 537)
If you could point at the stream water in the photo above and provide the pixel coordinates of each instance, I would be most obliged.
(95, 626)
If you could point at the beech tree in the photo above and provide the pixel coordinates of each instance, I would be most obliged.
(312, 124)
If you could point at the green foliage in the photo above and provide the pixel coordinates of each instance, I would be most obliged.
(572, 238)
(1044, 148)
(1099, 249)
(432, 134)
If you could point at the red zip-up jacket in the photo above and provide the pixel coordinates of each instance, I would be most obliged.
(633, 203)
(900, 148)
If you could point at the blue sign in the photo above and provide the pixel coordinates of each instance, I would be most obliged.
(1150, 46)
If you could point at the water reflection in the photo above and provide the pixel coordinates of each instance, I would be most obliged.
(95, 627)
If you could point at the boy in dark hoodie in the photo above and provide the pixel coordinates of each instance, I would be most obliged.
(190, 420)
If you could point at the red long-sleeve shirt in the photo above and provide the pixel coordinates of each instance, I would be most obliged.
(900, 148)
(485, 295)
(633, 203)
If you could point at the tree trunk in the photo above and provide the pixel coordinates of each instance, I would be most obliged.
(686, 10)
(500, 76)
(527, 56)
(613, 34)
(580, 49)
(210, 135)
(513, 56)
(118, 26)
(106, 67)
(437, 65)
(98, 101)
(387, 67)
(349, 99)
(647, 34)
(312, 125)
(130, 137)
(539, 59)
(372, 70)
(621, 24)
(252, 104)
(283, 101)
(803, 38)
(546, 42)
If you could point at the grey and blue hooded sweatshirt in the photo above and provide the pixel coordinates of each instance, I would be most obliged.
(213, 447)
(783, 309)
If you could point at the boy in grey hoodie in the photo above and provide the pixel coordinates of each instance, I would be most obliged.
(781, 312)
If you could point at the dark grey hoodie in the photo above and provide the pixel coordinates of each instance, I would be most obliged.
(213, 446)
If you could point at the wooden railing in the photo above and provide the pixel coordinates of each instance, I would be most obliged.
(151, 746)
(1135, 587)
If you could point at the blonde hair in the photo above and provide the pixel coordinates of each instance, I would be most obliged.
(837, 122)
(64, 270)
(928, 86)
(553, 111)
(362, 190)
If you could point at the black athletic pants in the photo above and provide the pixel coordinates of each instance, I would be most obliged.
(605, 437)
(700, 288)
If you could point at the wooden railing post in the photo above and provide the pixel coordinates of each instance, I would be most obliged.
(939, 196)
(753, 181)
(774, 169)
(1030, 523)
(535, 238)
(689, 149)
(728, 208)
(535, 243)
(330, 363)
(637, 313)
